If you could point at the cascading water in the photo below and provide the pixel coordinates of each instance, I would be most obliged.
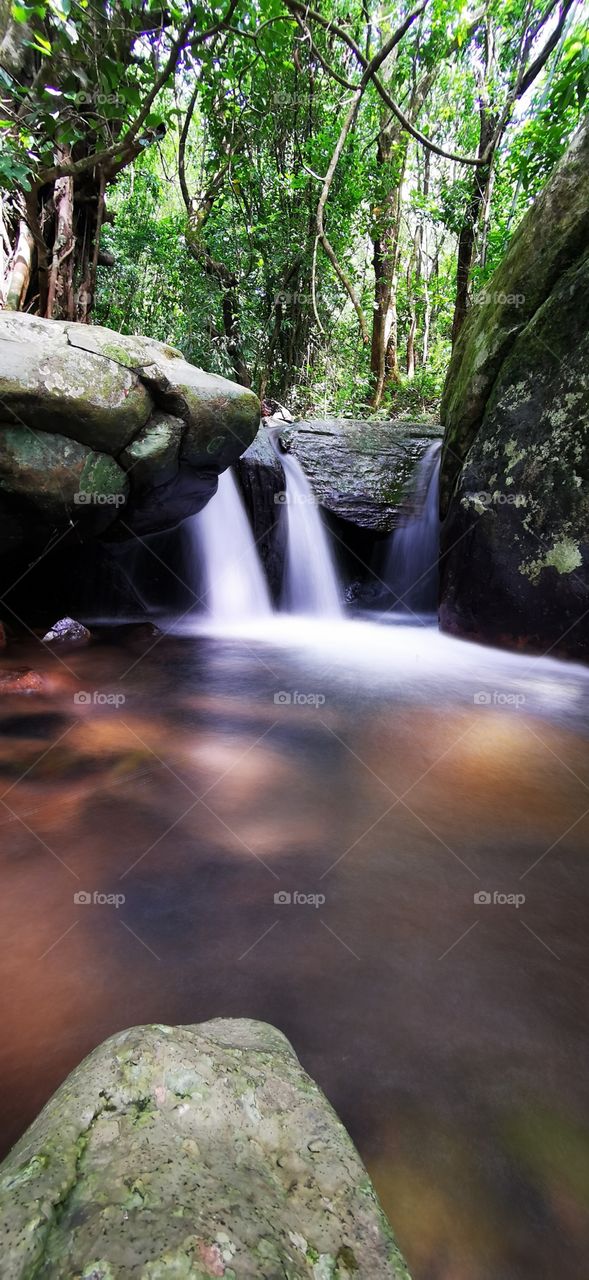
(411, 571)
(310, 584)
(233, 584)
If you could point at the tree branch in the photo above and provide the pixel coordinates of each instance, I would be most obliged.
(342, 34)
(126, 143)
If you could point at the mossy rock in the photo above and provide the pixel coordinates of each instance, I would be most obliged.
(192, 1152)
(60, 480)
(170, 426)
(515, 538)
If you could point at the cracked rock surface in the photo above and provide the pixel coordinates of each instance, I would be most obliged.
(124, 421)
(191, 1152)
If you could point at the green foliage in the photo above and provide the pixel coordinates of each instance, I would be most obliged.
(267, 118)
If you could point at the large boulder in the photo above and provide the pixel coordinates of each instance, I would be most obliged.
(99, 431)
(515, 469)
(359, 470)
(177, 1152)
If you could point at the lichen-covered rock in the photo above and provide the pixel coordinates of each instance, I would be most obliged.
(515, 471)
(191, 1152)
(51, 386)
(141, 423)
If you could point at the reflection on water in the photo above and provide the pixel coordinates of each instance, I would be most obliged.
(396, 777)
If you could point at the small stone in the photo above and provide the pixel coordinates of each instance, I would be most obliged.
(67, 629)
(22, 680)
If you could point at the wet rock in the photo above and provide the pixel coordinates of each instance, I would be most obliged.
(358, 470)
(515, 469)
(184, 1151)
(67, 631)
(21, 680)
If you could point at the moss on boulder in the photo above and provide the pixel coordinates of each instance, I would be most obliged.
(515, 471)
(167, 427)
(192, 1152)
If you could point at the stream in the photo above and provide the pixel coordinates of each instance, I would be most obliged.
(291, 820)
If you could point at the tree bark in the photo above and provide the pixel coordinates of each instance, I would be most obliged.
(467, 237)
(384, 366)
(60, 295)
(20, 269)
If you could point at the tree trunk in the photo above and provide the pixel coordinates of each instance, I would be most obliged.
(20, 269)
(468, 231)
(383, 352)
(60, 295)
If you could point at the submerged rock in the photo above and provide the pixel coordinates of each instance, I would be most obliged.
(192, 1152)
(515, 469)
(22, 680)
(67, 630)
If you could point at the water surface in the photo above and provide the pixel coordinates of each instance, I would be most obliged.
(396, 774)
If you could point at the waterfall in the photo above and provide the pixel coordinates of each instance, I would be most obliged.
(233, 584)
(310, 579)
(411, 572)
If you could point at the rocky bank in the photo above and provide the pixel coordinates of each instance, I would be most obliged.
(515, 470)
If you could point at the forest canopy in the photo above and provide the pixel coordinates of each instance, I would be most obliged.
(305, 199)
